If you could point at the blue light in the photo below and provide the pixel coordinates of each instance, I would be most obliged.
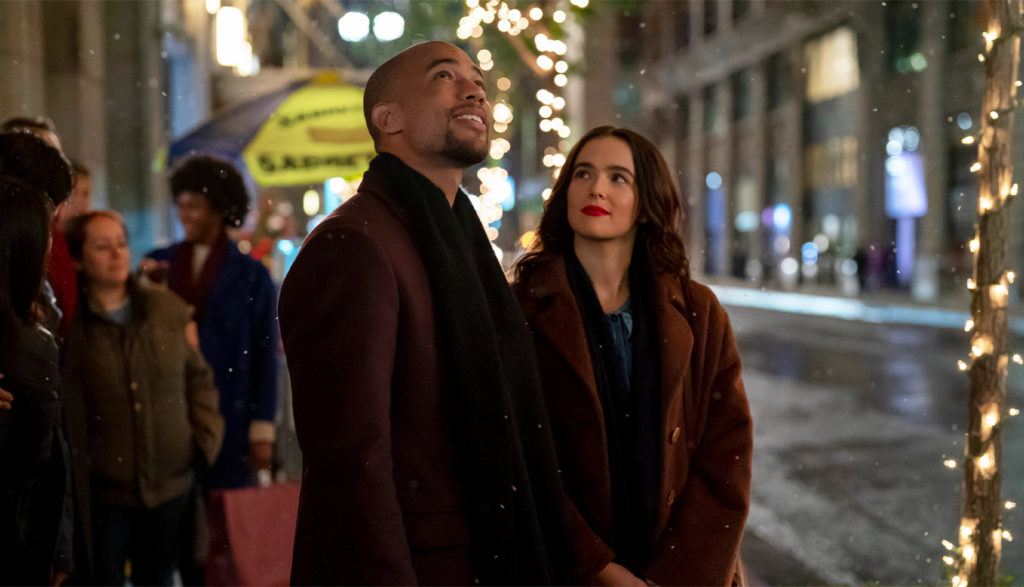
(782, 216)
(286, 246)
(809, 252)
(713, 180)
(963, 120)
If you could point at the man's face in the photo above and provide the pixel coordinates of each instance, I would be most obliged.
(443, 103)
(201, 222)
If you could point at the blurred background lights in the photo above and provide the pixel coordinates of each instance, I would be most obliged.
(311, 202)
(502, 113)
(354, 26)
(212, 6)
(782, 217)
(230, 24)
(388, 26)
(713, 180)
(809, 253)
(963, 120)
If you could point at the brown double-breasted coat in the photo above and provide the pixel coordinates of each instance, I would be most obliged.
(706, 430)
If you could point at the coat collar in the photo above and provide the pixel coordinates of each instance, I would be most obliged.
(560, 322)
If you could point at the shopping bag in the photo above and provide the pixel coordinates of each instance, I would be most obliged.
(251, 535)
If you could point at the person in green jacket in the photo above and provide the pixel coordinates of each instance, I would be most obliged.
(149, 404)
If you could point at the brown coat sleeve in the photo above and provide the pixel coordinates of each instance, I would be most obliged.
(339, 323)
(701, 544)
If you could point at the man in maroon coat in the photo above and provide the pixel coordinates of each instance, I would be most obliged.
(427, 454)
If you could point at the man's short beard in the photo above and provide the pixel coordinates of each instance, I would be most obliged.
(465, 152)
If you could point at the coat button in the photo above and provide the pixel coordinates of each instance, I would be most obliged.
(134, 385)
(671, 496)
(138, 406)
(673, 437)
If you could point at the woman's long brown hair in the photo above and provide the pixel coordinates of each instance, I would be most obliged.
(660, 215)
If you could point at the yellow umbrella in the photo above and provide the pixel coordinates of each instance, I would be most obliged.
(305, 133)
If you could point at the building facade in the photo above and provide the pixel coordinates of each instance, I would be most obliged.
(819, 143)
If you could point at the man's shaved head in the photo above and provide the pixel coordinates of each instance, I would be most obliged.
(380, 86)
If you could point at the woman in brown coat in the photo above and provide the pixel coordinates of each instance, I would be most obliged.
(640, 372)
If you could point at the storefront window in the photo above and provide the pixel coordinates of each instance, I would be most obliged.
(832, 66)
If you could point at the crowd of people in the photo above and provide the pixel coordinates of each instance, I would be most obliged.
(126, 395)
(585, 425)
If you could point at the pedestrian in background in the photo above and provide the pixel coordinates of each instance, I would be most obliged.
(145, 404)
(39, 126)
(32, 475)
(60, 270)
(641, 373)
(427, 456)
(42, 167)
(234, 300)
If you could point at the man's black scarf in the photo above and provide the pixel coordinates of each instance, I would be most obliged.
(520, 534)
(631, 403)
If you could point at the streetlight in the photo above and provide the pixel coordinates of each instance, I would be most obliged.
(388, 26)
(354, 26)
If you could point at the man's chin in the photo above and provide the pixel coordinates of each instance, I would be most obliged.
(468, 152)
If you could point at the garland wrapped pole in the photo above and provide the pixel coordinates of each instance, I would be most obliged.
(981, 532)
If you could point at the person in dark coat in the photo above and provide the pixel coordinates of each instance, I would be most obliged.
(427, 456)
(233, 299)
(32, 473)
(641, 373)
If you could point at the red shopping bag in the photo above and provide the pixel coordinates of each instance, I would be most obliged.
(251, 535)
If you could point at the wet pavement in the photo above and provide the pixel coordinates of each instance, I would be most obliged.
(853, 421)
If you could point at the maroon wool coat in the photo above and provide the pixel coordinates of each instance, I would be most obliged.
(706, 430)
(381, 499)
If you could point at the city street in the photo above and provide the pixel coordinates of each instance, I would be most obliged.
(853, 421)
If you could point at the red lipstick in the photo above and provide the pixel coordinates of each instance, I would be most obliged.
(594, 211)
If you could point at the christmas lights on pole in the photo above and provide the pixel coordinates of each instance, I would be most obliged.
(981, 533)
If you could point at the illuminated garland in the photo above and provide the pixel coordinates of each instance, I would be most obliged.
(980, 536)
(548, 62)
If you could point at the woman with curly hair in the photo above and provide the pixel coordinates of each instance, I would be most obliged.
(640, 371)
(235, 309)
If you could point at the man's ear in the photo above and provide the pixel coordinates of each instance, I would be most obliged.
(387, 117)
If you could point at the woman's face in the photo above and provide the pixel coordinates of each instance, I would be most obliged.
(602, 191)
(105, 254)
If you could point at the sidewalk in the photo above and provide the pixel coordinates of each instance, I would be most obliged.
(882, 307)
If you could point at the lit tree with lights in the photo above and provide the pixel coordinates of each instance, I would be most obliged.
(524, 42)
(981, 532)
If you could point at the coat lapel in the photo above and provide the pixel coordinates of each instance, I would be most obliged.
(676, 348)
(560, 322)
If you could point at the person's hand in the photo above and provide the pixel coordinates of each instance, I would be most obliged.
(192, 334)
(59, 578)
(616, 575)
(154, 271)
(5, 397)
(261, 455)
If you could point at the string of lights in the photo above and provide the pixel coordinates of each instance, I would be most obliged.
(547, 59)
(976, 558)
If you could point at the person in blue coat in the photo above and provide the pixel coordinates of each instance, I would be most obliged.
(234, 300)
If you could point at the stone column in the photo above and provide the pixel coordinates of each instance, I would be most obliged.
(21, 59)
(932, 124)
